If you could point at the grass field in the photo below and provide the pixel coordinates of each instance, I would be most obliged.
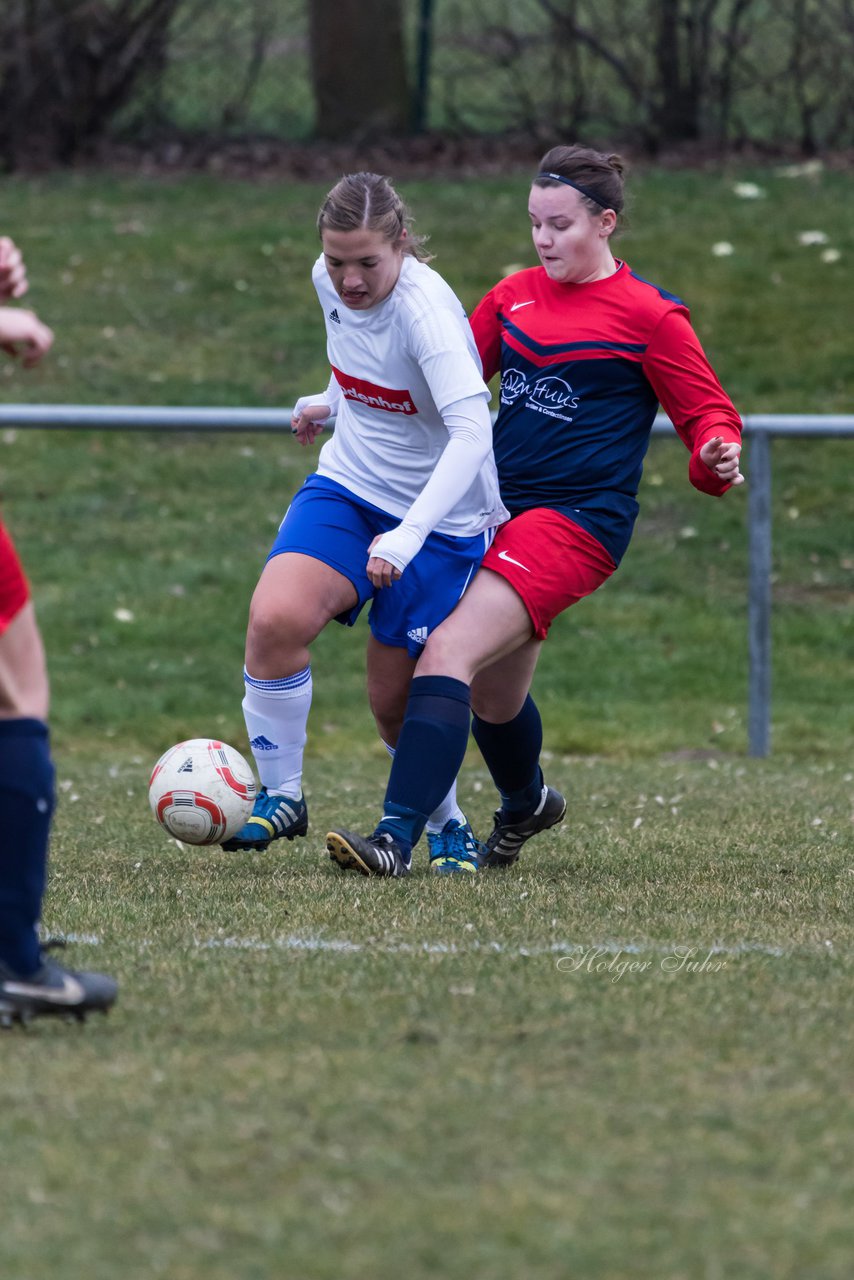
(632, 1056)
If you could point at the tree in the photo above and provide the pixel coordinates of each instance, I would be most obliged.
(680, 47)
(68, 66)
(358, 67)
(673, 60)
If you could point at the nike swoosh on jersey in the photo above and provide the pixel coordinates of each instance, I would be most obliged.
(517, 305)
(502, 555)
(71, 992)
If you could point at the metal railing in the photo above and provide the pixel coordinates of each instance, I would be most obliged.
(758, 430)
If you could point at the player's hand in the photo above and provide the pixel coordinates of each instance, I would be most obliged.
(391, 552)
(723, 459)
(13, 273)
(307, 423)
(23, 334)
(381, 572)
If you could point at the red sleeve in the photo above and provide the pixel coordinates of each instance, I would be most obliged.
(690, 394)
(487, 334)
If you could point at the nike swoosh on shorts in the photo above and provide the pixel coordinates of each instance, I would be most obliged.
(503, 555)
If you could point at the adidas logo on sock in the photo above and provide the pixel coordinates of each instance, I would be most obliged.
(333, 315)
(263, 744)
(418, 634)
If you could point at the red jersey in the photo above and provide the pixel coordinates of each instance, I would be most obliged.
(584, 368)
(14, 591)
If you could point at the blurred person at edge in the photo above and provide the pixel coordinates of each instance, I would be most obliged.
(32, 983)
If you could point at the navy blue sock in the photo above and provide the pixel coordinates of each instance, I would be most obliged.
(512, 754)
(26, 807)
(430, 750)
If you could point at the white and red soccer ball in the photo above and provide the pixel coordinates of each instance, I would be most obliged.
(201, 791)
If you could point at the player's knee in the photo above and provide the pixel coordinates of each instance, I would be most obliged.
(441, 656)
(388, 711)
(272, 633)
(495, 705)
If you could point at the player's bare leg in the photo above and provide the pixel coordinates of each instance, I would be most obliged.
(296, 597)
(389, 674)
(23, 671)
(489, 622)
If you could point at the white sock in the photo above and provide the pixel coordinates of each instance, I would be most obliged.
(447, 809)
(276, 715)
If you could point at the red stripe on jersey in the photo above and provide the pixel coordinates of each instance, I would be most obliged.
(577, 351)
(368, 393)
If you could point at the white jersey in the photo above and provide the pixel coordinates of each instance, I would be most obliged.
(399, 365)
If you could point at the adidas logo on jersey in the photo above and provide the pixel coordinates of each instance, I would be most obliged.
(333, 315)
(263, 744)
(418, 634)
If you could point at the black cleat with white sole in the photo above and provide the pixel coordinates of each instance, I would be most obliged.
(53, 991)
(376, 855)
(502, 846)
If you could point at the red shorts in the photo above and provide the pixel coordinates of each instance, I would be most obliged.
(550, 561)
(14, 591)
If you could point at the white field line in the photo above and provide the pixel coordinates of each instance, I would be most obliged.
(611, 947)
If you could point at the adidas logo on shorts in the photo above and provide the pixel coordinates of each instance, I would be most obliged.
(418, 634)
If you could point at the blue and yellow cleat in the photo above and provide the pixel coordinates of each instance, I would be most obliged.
(454, 850)
(273, 818)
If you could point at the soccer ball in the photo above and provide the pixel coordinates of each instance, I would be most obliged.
(201, 791)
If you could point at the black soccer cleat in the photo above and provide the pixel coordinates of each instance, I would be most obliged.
(502, 846)
(53, 991)
(375, 855)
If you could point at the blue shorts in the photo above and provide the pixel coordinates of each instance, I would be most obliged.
(329, 523)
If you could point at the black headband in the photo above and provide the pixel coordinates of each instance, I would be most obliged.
(558, 177)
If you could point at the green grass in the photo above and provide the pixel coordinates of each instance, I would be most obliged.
(447, 1096)
(312, 1076)
(198, 292)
